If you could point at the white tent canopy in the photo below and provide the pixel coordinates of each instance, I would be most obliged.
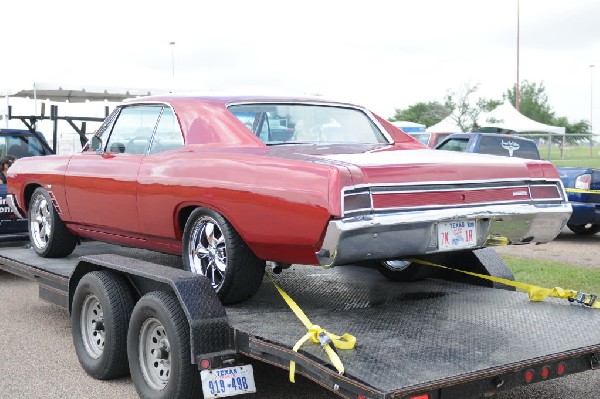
(507, 117)
(446, 125)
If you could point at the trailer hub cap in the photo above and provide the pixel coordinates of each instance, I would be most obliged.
(155, 354)
(92, 326)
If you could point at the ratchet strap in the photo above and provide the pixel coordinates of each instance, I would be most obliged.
(535, 293)
(317, 334)
(580, 190)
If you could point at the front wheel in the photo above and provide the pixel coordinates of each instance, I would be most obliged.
(212, 248)
(47, 232)
(584, 230)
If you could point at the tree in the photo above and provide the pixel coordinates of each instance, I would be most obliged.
(462, 112)
(427, 114)
(533, 101)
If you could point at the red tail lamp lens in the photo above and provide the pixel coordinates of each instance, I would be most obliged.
(561, 369)
(425, 396)
(545, 372)
(529, 376)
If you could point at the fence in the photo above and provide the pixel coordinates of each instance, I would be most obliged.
(554, 147)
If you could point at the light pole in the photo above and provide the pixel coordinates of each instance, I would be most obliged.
(172, 44)
(591, 97)
(517, 91)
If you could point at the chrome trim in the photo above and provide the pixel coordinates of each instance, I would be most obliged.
(12, 204)
(401, 234)
(522, 180)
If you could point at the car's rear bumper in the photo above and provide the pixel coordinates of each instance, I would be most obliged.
(585, 213)
(401, 234)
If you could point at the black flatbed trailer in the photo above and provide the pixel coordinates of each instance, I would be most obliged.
(432, 339)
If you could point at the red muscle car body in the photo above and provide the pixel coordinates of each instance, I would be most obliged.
(326, 201)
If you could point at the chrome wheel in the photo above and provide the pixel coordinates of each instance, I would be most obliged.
(155, 357)
(40, 222)
(396, 265)
(207, 252)
(92, 326)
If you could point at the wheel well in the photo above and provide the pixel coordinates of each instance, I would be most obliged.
(184, 215)
(27, 193)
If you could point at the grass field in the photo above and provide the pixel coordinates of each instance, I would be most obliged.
(549, 274)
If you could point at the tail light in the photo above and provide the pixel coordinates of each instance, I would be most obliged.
(583, 182)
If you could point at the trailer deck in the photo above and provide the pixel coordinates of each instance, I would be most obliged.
(443, 338)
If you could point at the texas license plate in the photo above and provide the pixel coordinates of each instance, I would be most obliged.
(456, 235)
(229, 381)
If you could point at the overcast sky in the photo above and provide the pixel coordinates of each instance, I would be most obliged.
(380, 54)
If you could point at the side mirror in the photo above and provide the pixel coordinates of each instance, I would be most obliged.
(96, 144)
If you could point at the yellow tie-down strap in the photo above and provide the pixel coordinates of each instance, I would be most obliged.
(535, 293)
(317, 334)
(580, 190)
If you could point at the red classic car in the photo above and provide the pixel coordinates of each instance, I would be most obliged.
(232, 182)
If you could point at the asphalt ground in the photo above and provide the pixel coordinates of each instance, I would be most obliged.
(37, 358)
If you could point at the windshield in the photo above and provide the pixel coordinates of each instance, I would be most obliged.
(303, 123)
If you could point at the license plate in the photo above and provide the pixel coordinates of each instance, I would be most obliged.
(459, 234)
(229, 381)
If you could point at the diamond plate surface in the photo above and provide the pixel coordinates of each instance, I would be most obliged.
(413, 333)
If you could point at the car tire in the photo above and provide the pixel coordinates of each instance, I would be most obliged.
(212, 248)
(584, 230)
(402, 270)
(158, 347)
(101, 308)
(47, 232)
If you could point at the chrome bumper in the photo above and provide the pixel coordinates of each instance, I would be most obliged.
(10, 201)
(401, 234)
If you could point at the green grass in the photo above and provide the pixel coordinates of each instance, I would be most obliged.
(549, 274)
(580, 163)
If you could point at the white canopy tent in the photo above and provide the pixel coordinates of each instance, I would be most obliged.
(505, 116)
(446, 125)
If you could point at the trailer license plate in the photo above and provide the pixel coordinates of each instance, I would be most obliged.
(459, 234)
(229, 381)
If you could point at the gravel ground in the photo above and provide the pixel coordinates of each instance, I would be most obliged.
(38, 359)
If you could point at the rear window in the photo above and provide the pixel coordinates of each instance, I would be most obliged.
(508, 146)
(307, 123)
(456, 144)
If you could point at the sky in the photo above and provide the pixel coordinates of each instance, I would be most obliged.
(380, 54)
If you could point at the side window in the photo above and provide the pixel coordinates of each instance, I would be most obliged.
(168, 135)
(455, 145)
(133, 129)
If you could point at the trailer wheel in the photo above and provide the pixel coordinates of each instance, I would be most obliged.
(402, 270)
(102, 305)
(212, 248)
(584, 230)
(48, 234)
(158, 346)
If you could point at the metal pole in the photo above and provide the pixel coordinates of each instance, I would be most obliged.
(172, 44)
(517, 91)
(591, 107)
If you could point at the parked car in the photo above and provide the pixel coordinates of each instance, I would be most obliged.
(585, 219)
(17, 143)
(184, 175)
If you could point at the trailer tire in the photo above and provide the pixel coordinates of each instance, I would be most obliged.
(210, 232)
(585, 229)
(159, 330)
(101, 345)
(47, 232)
(401, 270)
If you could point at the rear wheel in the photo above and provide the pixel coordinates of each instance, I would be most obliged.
(403, 270)
(212, 248)
(158, 347)
(47, 232)
(584, 230)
